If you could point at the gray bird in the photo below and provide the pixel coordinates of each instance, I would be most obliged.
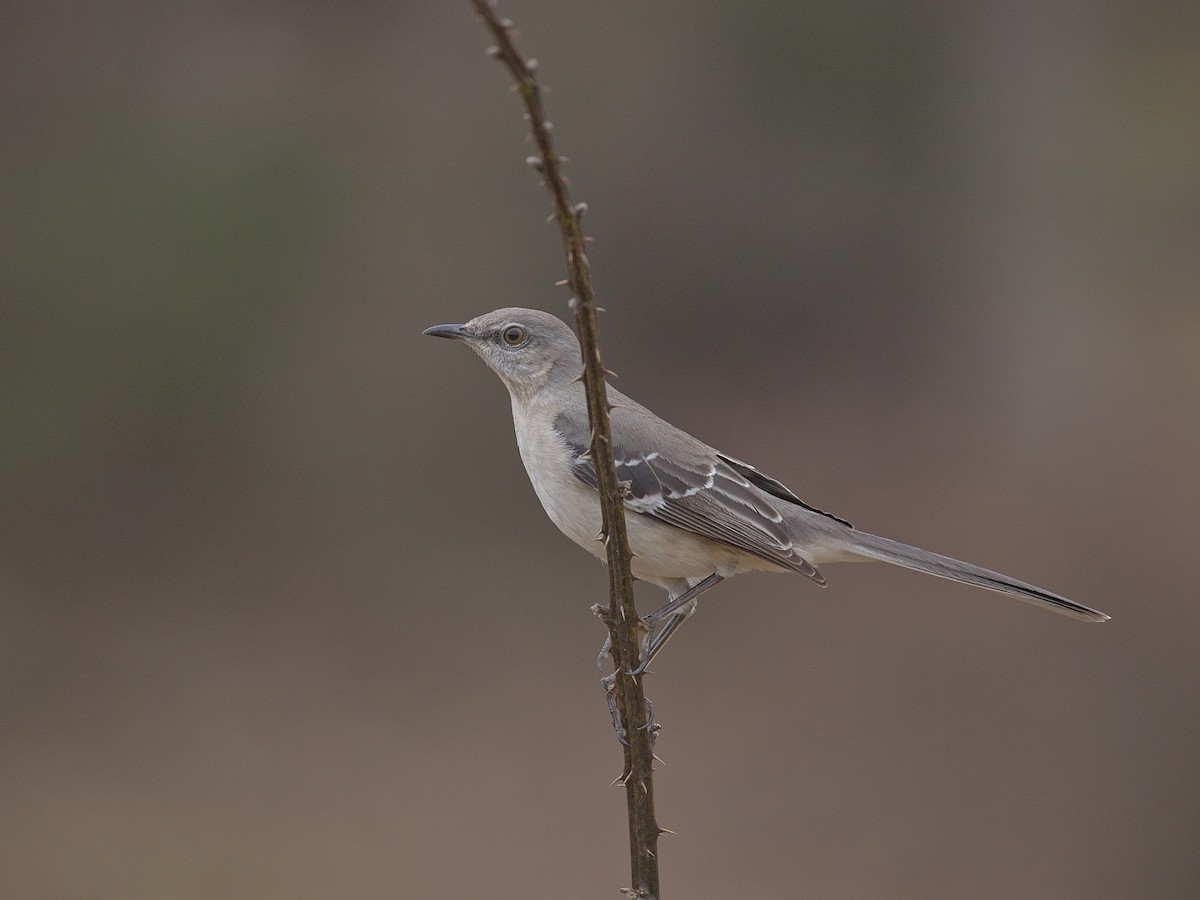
(695, 516)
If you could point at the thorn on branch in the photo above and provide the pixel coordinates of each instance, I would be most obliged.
(524, 72)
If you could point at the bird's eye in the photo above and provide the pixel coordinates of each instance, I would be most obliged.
(513, 335)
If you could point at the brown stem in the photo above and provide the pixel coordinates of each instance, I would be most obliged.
(621, 616)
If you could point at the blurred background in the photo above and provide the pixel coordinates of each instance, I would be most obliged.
(280, 616)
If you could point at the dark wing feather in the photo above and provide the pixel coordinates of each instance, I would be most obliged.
(698, 490)
(771, 486)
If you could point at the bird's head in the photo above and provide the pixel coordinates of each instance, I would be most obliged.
(527, 348)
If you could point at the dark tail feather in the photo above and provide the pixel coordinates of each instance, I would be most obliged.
(870, 546)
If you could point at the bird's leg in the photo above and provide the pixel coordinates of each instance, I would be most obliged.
(601, 612)
(609, 683)
(676, 612)
(686, 597)
(660, 637)
(606, 647)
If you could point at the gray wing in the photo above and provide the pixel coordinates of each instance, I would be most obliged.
(686, 484)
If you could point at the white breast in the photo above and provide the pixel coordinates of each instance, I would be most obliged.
(662, 552)
(570, 504)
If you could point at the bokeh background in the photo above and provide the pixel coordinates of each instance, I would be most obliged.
(279, 614)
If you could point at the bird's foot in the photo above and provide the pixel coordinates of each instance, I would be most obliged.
(651, 726)
(605, 649)
(609, 683)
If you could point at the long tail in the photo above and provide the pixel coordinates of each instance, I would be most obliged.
(871, 546)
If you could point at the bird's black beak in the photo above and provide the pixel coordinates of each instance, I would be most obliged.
(457, 332)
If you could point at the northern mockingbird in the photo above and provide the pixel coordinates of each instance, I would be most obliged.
(695, 516)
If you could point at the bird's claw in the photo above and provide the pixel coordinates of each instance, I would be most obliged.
(650, 726)
(609, 683)
(604, 651)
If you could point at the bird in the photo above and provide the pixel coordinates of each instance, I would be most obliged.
(695, 516)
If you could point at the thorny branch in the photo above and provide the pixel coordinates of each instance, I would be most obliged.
(621, 615)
